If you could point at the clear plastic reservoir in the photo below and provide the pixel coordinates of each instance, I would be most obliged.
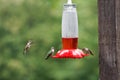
(69, 21)
(69, 26)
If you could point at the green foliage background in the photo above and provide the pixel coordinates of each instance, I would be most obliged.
(40, 20)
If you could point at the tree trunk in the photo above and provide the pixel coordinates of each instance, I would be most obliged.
(109, 39)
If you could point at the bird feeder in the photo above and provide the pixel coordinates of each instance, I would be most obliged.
(70, 34)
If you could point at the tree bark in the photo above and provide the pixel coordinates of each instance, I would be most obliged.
(109, 39)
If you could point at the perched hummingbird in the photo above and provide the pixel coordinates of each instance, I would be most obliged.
(87, 51)
(27, 46)
(50, 53)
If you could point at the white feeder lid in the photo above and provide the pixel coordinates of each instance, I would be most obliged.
(69, 2)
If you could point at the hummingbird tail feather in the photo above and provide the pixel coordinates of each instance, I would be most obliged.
(24, 53)
(91, 52)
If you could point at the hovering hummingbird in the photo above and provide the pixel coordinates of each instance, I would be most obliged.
(27, 46)
(87, 51)
(50, 53)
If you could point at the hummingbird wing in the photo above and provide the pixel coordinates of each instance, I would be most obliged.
(91, 52)
(48, 55)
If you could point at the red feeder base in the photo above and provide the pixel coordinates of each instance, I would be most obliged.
(70, 53)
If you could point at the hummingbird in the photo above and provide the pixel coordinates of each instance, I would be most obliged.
(27, 46)
(87, 51)
(50, 53)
